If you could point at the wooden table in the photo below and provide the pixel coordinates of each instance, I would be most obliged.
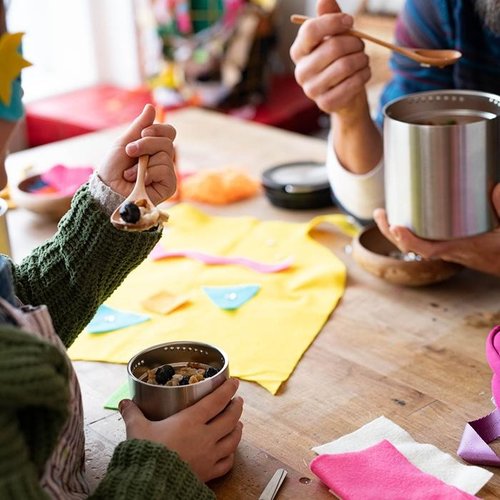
(413, 355)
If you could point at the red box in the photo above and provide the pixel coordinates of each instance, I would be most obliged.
(82, 111)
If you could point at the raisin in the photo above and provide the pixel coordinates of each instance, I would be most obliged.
(130, 213)
(210, 372)
(164, 374)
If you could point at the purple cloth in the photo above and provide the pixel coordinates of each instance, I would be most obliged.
(477, 434)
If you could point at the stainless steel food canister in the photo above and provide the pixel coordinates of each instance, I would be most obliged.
(158, 401)
(442, 159)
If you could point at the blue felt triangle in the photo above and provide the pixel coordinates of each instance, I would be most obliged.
(107, 319)
(231, 297)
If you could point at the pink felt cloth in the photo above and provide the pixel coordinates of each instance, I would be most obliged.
(493, 357)
(66, 180)
(380, 471)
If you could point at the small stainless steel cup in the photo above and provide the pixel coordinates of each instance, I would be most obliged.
(442, 159)
(157, 401)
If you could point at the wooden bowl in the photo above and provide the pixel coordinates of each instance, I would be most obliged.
(377, 255)
(51, 205)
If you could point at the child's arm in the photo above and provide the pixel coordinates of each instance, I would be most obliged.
(78, 269)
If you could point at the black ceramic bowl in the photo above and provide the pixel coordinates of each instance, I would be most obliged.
(299, 185)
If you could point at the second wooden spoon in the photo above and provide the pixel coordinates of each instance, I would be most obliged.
(426, 57)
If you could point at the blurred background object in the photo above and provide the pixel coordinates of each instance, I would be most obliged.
(96, 63)
(216, 53)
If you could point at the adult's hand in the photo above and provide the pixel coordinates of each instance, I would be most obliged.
(205, 435)
(481, 252)
(143, 137)
(331, 65)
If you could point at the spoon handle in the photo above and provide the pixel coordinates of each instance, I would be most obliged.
(300, 19)
(141, 170)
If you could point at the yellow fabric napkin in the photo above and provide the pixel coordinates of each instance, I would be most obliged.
(266, 337)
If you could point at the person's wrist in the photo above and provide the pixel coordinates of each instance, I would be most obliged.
(356, 139)
(356, 113)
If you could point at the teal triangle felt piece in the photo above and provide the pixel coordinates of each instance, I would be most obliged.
(107, 319)
(231, 297)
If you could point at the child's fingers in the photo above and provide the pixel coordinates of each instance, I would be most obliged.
(144, 120)
(210, 406)
(226, 421)
(223, 466)
(149, 146)
(159, 130)
(229, 442)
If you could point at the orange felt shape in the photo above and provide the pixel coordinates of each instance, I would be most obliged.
(164, 302)
(219, 186)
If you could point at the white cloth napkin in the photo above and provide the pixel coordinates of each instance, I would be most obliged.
(426, 457)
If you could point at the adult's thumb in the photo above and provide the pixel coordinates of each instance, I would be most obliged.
(495, 198)
(327, 7)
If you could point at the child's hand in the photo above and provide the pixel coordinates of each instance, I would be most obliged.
(204, 435)
(143, 137)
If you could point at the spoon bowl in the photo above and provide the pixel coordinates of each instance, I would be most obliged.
(426, 57)
(150, 216)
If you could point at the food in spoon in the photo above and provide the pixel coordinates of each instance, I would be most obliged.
(129, 212)
(139, 215)
(184, 374)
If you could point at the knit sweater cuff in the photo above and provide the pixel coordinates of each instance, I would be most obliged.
(106, 198)
(142, 469)
(357, 194)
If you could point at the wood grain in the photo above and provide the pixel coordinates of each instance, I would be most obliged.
(411, 354)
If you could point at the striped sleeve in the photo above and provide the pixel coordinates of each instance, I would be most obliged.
(420, 24)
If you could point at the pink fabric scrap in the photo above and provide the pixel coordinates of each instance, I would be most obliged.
(159, 253)
(479, 433)
(493, 358)
(381, 471)
(66, 180)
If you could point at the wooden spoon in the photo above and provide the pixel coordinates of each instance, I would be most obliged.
(426, 57)
(140, 198)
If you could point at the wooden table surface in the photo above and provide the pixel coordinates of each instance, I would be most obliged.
(413, 355)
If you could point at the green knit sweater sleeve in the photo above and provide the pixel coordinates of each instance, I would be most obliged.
(78, 269)
(141, 470)
(34, 399)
